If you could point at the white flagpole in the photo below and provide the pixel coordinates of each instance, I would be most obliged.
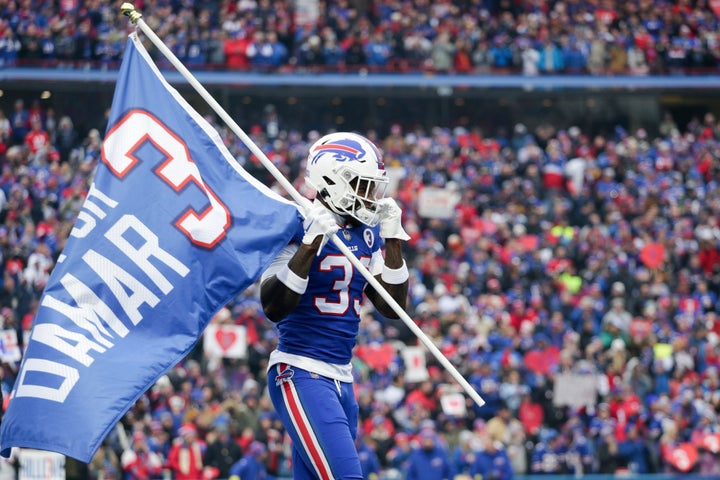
(136, 17)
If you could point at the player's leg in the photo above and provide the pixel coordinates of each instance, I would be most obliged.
(313, 410)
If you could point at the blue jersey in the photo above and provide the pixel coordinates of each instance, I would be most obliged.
(429, 465)
(495, 465)
(325, 323)
(248, 468)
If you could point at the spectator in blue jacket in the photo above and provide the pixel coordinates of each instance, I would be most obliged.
(377, 50)
(429, 460)
(634, 450)
(252, 465)
(549, 454)
(398, 457)
(492, 463)
(369, 461)
(551, 59)
(465, 453)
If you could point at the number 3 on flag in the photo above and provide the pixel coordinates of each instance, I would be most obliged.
(205, 229)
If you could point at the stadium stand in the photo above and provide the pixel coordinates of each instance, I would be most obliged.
(566, 256)
(573, 276)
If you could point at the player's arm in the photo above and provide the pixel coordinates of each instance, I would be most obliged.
(394, 274)
(286, 280)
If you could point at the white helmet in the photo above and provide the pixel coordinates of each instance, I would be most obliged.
(348, 173)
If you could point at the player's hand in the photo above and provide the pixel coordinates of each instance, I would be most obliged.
(391, 220)
(319, 222)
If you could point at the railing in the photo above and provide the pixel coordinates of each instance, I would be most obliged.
(593, 476)
(399, 66)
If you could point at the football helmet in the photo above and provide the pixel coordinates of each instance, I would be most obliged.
(348, 174)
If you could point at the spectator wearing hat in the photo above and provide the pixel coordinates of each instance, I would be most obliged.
(618, 315)
(186, 457)
(464, 454)
(423, 396)
(176, 410)
(580, 459)
(585, 319)
(487, 383)
(429, 460)
(222, 450)
(138, 461)
(159, 439)
(398, 456)
(549, 455)
(492, 463)
(380, 429)
(369, 461)
(634, 450)
(252, 465)
(159, 395)
(684, 412)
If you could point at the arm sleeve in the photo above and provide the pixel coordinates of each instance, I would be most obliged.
(280, 261)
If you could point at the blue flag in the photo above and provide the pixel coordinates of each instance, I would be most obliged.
(171, 230)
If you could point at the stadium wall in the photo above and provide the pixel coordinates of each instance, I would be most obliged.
(375, 101)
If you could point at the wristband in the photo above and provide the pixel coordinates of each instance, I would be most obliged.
(292, 280)
(395, 276)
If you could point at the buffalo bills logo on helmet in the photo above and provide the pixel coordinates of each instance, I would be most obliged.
(343, 150)
(284, 376)
(378, 155)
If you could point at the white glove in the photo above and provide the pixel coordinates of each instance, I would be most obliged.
(319, 221)
(391, 220)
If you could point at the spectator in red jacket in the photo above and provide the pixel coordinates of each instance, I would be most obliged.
(186, 456)
(138, 462)
(37, 140)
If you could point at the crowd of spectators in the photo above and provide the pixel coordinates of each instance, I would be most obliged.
(567, 254)
(473, 36)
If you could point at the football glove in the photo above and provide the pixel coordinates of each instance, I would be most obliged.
(319, 221)
(391, 220)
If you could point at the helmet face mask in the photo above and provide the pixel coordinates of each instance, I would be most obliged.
(348, 174)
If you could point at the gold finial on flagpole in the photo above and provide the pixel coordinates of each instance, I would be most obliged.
(128, 9)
